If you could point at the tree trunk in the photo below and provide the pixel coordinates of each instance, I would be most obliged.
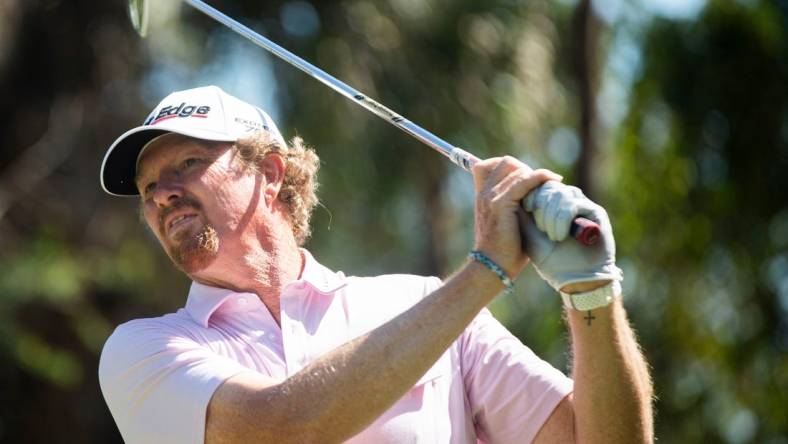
(585, 39)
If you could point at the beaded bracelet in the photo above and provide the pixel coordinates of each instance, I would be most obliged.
(479, 257)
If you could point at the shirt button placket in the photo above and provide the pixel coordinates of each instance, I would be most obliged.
(291, 342)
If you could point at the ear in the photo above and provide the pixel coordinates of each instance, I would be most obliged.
(272, 168)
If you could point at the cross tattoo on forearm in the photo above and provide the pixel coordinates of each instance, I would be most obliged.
(589, 318)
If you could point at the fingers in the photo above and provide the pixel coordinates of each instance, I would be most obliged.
(540, 202)
(494, 169)
(519, 183)
(554, 207)
(562, 223)
(562, 212)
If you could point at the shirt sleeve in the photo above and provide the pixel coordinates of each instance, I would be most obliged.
(511, 391)
(157, 382)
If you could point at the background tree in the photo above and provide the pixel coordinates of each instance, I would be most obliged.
(690, 116)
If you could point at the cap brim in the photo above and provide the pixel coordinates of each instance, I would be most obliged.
(119, 167)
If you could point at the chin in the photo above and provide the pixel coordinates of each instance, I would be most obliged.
(197, 251)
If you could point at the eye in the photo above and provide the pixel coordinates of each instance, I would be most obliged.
(189, 162)
(149, 188)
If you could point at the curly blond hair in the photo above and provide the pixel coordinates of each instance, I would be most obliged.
(299, 187)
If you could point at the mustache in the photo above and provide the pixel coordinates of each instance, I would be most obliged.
(184, 202)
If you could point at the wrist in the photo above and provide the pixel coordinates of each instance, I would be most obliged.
(481, 274)
(511, 265)
(492, 268)
(598, 297)
(583, 287)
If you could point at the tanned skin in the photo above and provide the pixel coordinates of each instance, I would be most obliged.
(235, 234)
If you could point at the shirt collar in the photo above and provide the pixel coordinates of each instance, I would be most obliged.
(204, 300)
(319, 277)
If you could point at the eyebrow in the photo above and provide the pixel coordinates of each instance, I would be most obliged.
(204, 146)
(138, 180)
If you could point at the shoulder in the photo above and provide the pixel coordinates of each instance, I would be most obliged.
(139, 338)
(157, 377)
(136, 330)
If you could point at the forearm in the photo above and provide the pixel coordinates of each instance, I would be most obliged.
(341, 393)
(612, 395)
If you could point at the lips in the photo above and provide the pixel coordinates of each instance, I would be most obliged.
(178, 219)
(178, 214)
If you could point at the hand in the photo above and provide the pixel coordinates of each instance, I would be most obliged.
(501, 183)
(559, 259)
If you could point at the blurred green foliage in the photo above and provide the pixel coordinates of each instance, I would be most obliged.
(693, 149)
(704, 151)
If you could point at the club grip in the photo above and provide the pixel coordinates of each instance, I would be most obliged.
(586, 231)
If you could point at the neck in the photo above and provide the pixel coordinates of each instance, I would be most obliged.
(256, 269)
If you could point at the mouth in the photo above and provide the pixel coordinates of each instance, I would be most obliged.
(179, 221)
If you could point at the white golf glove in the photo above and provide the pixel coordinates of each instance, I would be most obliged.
(558, 258)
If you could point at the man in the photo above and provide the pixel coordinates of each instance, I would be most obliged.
(271, 346)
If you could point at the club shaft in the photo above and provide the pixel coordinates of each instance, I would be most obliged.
(585, 231)
(457, 155)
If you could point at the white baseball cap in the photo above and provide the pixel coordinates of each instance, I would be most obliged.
(206, 113)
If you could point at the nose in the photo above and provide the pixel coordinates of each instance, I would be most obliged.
(168, 190)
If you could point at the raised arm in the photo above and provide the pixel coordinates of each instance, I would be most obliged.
(341, 393)
(611, 402)
(612, 397)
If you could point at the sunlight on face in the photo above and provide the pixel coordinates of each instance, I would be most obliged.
(178, 177)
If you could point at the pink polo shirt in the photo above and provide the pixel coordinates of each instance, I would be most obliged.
(158, 374)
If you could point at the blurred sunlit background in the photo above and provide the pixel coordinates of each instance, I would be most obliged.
(673, 114)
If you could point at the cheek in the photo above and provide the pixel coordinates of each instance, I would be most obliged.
(150, 217)
(234, 197)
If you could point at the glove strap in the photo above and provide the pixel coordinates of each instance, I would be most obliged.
(600, 297)
(479, 257)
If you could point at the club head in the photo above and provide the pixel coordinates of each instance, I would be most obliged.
(138, 12)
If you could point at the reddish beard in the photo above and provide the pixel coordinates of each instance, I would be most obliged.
(197, 250)
(190, 251)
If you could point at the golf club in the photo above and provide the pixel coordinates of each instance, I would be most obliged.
(584, 230)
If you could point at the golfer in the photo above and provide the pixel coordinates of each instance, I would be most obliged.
(271, 346)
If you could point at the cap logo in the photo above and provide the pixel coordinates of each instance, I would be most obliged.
(251, 125)
(182, 110)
